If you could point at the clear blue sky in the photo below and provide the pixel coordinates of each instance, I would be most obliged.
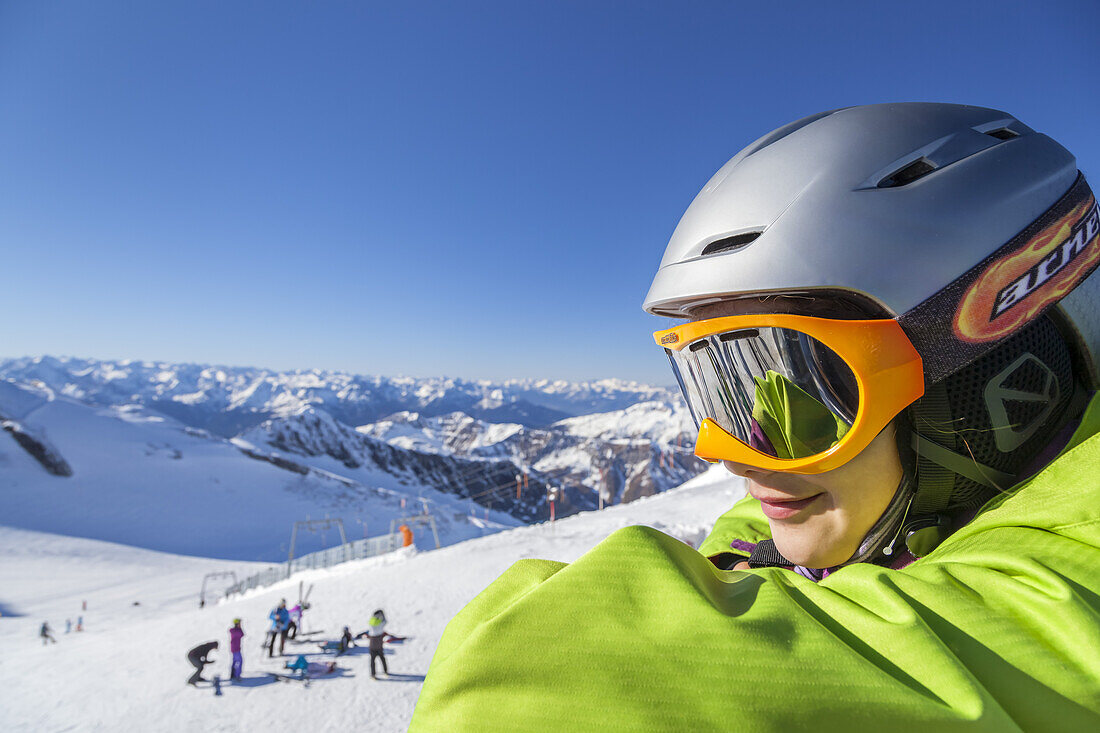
(467, 189)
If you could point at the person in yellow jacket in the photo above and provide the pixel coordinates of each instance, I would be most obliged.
(889, 323)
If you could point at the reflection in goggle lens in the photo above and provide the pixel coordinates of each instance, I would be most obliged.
(778, 390)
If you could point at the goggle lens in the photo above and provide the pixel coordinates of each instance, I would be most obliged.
(777, 390)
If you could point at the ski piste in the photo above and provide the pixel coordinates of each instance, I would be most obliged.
(435, 584)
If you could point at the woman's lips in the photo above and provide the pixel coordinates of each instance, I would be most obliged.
(783, 509)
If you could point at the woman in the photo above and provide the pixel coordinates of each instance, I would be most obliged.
(893, 332)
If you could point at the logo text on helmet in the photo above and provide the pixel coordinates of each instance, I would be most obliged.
(669, 338)
(1049, 266)
(1018, 286)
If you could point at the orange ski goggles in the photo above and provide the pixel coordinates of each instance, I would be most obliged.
(791, 393)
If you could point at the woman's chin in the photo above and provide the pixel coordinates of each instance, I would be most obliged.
(810, 551)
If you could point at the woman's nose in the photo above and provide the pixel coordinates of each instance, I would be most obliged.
(746, 471)
(742, 469)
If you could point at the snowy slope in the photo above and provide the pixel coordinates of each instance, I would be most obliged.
(143, 479)
(46, 575)
(127, 670)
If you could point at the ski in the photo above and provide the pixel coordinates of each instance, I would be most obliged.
(290, 678)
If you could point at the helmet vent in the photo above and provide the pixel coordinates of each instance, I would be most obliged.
(907, 174)
(1002, 133)
(737, 241)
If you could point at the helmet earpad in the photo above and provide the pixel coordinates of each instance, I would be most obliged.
(1005, 407)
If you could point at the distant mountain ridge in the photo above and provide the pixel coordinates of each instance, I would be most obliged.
(229, 400)
(364, 448)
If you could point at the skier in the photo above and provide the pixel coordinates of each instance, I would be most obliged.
(198, 657)
(44, 632)
(346, 641)
(306, 669)
(299, 665)
(295, 620)
(891, 331)
(376, 636)
(314, 669)
(280, 621)
(340, 646)
(236, 633)
(68, 625)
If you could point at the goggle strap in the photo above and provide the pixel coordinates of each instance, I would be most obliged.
(934, 483)
(964, 466)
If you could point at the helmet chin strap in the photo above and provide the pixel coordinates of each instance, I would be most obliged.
(878, 544)
(917, 513)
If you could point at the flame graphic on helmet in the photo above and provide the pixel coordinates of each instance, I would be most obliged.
(974, 319)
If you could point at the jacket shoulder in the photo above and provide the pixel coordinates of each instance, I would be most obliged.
(743, 523)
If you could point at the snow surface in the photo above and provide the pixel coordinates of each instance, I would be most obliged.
(147, 480)
(127, 670)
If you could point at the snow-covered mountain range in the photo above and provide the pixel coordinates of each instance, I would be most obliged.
(227, 400)
(237, 454)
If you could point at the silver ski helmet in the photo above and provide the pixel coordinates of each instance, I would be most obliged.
(976, 233)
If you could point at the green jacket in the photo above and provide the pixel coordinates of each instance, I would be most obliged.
(998, 629)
